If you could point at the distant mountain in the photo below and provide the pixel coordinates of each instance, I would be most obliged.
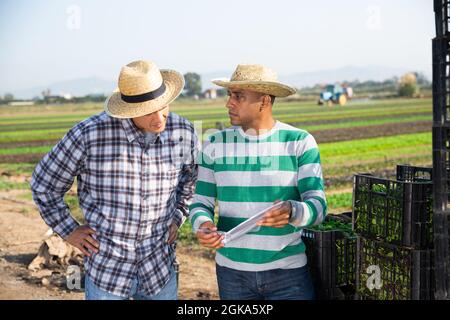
(92, 85)
(76, 87)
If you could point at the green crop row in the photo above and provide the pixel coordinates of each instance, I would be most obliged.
(359, 148)
(15, 132)
(56, 131)
(6, 184)
(291, 115)
(339, 201)
(218, 111)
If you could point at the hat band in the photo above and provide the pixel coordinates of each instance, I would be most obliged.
(145, 96)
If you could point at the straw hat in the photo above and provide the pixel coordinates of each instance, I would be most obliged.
(143, 89)
(257, 78)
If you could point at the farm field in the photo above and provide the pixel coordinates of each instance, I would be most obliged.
(363, 136)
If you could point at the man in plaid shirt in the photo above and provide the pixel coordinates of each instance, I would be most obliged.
(136, 172)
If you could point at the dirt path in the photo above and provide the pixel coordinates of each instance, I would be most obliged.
(21, 233)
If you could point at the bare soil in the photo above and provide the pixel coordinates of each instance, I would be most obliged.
(366, 132)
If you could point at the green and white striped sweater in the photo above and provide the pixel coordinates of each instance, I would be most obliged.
(246, 174)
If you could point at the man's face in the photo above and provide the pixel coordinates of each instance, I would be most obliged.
(153, 122)
(243, 106)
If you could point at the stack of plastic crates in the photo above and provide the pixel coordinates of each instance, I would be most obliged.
(441, 147)
(393, 220)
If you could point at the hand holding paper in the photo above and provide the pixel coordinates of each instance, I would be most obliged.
(258, 219)
(277, 217)
(208, 236)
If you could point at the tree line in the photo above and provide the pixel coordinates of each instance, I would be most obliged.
(409, 85)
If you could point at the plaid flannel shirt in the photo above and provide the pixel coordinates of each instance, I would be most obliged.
(129, 191)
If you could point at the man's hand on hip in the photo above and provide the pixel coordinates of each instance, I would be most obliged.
(82, 239)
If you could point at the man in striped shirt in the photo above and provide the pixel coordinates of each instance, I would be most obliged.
(247, 168)
(136, 171)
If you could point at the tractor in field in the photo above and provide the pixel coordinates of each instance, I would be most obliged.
(335, 94)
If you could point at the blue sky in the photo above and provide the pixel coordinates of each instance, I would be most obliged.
(47, 41)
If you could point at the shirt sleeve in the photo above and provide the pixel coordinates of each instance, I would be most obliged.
(313, 207)
(186, 184)
(54, 176)
(202, 208)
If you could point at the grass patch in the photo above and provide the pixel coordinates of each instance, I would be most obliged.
(26, 150)
(185, 234)
(17, 168)
(33, 135)
(26, 196)
(6, 185)
(339, 202)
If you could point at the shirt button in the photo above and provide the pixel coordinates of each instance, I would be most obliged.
(145, 197)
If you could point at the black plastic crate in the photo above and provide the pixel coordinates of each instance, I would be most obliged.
(397, 212)
(404, 273)
(332, 260)
(441, 17)
(413, 173)
(409, 173)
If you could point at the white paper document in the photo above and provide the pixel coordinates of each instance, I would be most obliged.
(248, 225)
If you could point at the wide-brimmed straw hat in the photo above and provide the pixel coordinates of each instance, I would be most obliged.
(143, 89)
(257, 78)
